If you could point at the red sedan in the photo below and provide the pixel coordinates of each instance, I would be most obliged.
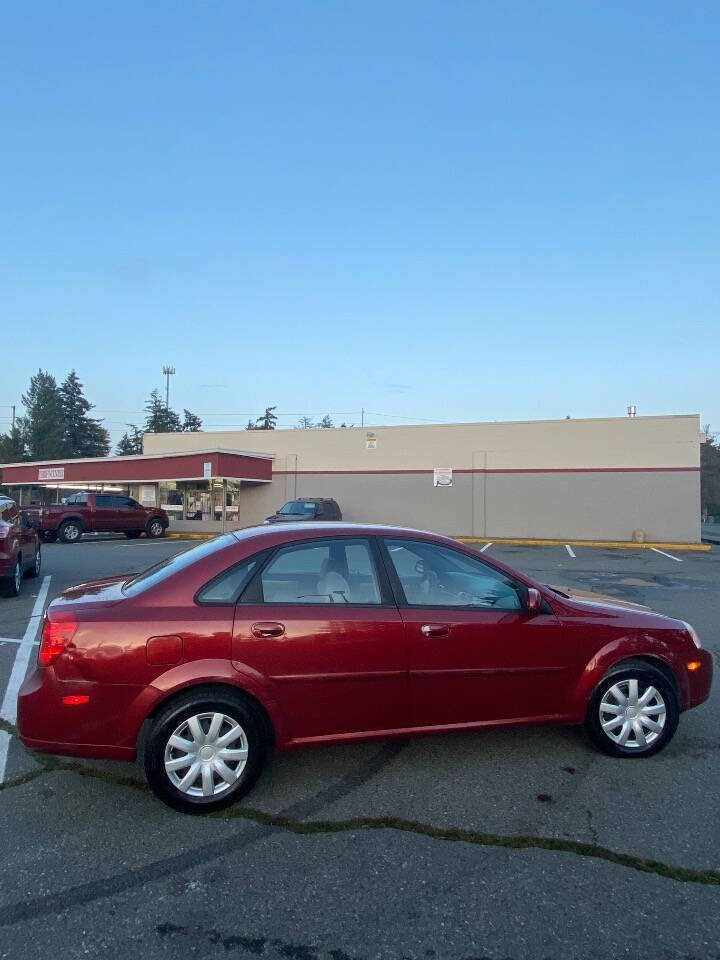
(316, 633)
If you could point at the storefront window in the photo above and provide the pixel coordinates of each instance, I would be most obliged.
(170, 498)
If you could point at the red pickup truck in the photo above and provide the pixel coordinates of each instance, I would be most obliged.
(95, 513)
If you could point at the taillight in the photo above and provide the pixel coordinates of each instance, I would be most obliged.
(56, 634)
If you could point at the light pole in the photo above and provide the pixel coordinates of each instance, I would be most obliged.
(168, 371)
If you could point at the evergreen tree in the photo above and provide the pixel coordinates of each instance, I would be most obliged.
(44, 419)
(326, 423)
(267, 421)
(251, 425)
(130, 443)
(710, 473)
(83, 436)
(191, 423)
(159, 418)
(12, 443)
(305, 423)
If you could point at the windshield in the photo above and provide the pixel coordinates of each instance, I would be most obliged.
(167, 568)
(298, 508)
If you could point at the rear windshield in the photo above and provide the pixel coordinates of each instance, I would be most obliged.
(298, 508)
(168, 568)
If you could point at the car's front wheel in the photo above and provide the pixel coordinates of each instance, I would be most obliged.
(634, 711)
(155, 528)
(205, 750)
(13, 584)
(34, 570)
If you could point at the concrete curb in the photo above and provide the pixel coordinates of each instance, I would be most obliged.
(611, 544)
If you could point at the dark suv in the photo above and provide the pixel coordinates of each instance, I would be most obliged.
(312, 508)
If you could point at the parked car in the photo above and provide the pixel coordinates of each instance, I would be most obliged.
(97, 512)
(309, 509)
(20, 554)
(318, 633)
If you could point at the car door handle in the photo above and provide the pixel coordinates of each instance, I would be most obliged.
(268, 629)
(435, 630)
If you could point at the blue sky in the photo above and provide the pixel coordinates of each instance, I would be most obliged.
(444, 211)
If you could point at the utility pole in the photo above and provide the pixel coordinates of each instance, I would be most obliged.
(13, 418)
(168, 371)
(362, 417)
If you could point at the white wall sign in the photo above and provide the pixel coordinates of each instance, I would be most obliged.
(51, 473)
(147, 494)
(207, 469)
(370, 441)
(442, 477)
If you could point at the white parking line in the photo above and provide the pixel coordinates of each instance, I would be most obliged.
(8, 710)
(570, 551)
(485, 547)
(669, 555)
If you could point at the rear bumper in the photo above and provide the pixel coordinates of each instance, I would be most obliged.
(106, 726)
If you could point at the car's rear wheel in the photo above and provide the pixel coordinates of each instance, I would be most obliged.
(634, 711)
(132, 534)
(34, 570)
(155, 528)
(70, 531)
(205, 750)
(13, 583)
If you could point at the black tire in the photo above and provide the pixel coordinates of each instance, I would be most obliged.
(13, 584)
(132, 534)
(50, 536)
(646, 676)
(155, 528)
(70, 531)
(34, 570)
(178, 712)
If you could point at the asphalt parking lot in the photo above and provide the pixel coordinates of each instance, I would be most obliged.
(501, 844)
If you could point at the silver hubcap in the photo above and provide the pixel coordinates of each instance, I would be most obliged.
(206, 754)
(38, 562)
(72, 533)
(632, 714)
(156, 529)
(18, 576)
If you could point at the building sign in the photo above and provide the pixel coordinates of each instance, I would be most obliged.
(207, 469)
(147, 494)
(51, 473)
(442, 477)
(370, 441)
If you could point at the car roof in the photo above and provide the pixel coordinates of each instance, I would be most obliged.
(306, 530)
(310, 500)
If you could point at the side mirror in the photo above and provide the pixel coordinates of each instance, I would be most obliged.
(534, 601)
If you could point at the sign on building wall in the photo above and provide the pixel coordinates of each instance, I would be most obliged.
(147, 494)
(442, 477)
(207, 469)
(370, 441)
(51, 473)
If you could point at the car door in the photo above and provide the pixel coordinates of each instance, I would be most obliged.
(104, 516)
(133, 516)
(475, 654)
(319, 621)
(29, 541)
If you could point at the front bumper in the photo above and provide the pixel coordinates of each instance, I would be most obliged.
(699, 682)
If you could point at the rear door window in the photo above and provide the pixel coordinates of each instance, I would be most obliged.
(320, 572)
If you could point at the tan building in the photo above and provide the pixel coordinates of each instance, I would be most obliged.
(559, 479)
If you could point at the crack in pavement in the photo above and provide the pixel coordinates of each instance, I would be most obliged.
(61, 901)
(292, 820)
